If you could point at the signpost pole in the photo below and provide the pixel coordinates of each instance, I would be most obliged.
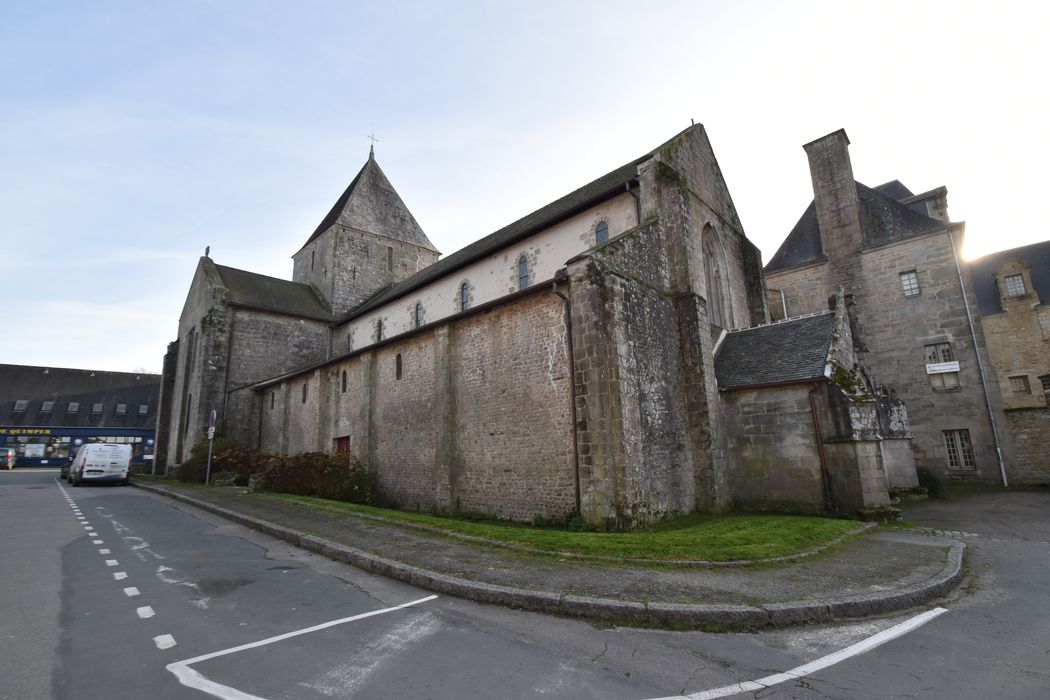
(211, 439)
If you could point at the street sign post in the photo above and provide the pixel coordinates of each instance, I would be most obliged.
(211, 438)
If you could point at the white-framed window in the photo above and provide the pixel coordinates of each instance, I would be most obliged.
(122, 408)
(96, 408)
(1015, 286)
(938, 355)
(21, 405)
(1020, 385)
(47, 406)
(960, 450)
(910, 283)
(143, 409)
(73, 407)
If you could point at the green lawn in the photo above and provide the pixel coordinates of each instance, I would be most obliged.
(692, 537)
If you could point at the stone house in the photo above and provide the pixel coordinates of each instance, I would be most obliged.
(1012, 289)
(897, 257)
(568, 363)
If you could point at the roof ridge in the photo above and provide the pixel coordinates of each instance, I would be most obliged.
(782, 321)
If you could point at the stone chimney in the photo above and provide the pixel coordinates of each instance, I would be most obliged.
(835, 195)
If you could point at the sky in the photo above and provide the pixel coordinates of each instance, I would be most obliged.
(133, 135)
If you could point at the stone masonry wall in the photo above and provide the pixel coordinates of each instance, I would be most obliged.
(773, 455)
(479, 420)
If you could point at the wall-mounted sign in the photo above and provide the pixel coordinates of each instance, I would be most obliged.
(942, 367)
(25, 431)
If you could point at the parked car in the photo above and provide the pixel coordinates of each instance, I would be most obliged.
(8, 457)
(101, 461)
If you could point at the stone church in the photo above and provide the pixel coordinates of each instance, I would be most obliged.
(609, 355)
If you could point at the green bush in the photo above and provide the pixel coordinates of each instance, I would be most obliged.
(932, 483)
(337, 476)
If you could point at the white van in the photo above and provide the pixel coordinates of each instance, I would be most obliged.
(101, 462)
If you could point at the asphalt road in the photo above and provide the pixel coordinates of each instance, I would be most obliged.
(111, 592)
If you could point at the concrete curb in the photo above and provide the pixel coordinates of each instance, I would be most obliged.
(720, 617)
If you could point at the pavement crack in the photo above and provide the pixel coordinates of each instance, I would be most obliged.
(605, 649)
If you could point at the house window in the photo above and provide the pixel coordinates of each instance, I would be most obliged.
(305, 389)
(1045, 381)
(601, 234)
(1015, 285)
(464, 296)
(397, 366)
(523, 272)
(389, 258)
(344, 381)
(73, 407)
(939, 363)
(143, 409)
(419, 314)
(96, 408)
(20, 406)
(122, 408)
(960, 451)
(379, 330)
(1020, 385)
(910, 283)
(47, 406)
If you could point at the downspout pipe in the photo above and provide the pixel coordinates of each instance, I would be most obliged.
(825, 477)
(980, 365)
(562, 276)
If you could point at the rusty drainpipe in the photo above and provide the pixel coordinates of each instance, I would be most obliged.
(825, 478)
(562, 276)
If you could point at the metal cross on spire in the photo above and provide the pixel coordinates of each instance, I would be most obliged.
(372, 148)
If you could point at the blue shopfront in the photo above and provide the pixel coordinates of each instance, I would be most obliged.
(50, 447)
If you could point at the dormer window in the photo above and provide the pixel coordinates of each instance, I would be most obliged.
(47, 406)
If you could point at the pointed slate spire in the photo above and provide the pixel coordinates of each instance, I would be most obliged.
(372, 204)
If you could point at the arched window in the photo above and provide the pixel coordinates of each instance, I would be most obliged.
(464, 296)
(419, 314)
(312, 260)
(344, 381)
(379, 330)
(601, 234)
(523, 272)
(273, 395)
(397, 366)
(305, 387)
(714, 272)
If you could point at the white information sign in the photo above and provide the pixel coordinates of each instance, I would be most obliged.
(942, 367)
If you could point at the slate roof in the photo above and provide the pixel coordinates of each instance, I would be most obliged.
(788, 351)
(982, 271)
(895, 190)
(370, 203)
(883, 220)
(272, 293)
(556, 210)
(86, 387)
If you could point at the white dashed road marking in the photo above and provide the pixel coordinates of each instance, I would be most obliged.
(131, 592)
(111, 562)
(145, 612)
(164, 641)
(814, 666)
(192, 679)
(103, 551)
(96, 542)
(119, 575)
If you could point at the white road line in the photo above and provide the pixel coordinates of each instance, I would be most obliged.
(164, 641)
(111, 562)
(192, 679)
(92, 534)
(131, 592)
(88, 527)
(817, 665)
(119, 575)
(103, 551)
(97, 542)
(145, 612)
